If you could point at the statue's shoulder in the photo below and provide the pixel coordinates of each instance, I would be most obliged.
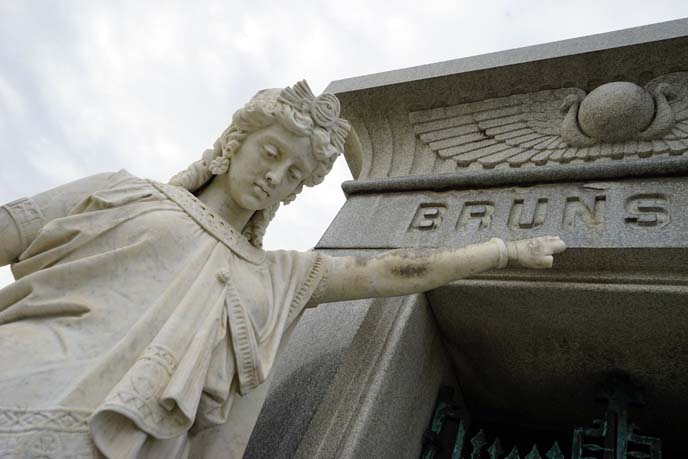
(104, 181)
(123, 176)
(211, 222)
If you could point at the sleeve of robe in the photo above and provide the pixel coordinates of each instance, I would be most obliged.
(22, 219)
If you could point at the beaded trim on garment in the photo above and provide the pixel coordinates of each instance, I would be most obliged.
(50, 434)
(28, 218)
(211, 222)
(245, 342)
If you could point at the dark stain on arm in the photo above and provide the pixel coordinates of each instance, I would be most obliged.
(414, 262)
(409, 271)
(361, 261)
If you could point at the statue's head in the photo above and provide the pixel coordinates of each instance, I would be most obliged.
(290, 123)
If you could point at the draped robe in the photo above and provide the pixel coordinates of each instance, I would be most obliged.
(137, 321)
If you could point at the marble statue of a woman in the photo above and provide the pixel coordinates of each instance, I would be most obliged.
(144, 314)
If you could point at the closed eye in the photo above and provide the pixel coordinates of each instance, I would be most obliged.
(271, 150)
(295, 173)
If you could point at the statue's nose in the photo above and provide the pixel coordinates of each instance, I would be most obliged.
(274, 175)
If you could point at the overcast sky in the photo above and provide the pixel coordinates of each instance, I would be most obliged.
(88, 86)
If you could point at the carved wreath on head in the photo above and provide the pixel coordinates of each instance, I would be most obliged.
(324, 111)
(615, 120)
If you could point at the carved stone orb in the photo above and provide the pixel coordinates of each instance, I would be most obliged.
(616, 111)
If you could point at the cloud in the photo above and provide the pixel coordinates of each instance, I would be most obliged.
(5, 276)
(11, 101)
(52, 161)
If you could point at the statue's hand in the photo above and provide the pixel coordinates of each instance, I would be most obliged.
(536, 252)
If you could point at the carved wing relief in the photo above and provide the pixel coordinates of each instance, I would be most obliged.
(616, 120)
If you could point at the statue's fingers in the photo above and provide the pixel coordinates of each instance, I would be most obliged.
(547, 261)
(557, 246)
(553, 244)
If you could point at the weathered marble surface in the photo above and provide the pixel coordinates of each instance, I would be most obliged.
(138, 308)
(146, 318)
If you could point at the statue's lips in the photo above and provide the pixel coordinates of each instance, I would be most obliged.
(262, 189)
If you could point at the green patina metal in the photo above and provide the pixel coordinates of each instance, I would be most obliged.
(447, 434)
(614, 437)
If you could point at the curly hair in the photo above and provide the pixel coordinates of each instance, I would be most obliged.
(266, 108)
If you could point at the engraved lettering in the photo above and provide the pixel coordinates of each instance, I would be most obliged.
(535, 211)
(575, 209)
(428, 216)
(647, 210)
(527, 214)
(476, 215)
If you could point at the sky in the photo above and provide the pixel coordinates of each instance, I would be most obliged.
(93, 86)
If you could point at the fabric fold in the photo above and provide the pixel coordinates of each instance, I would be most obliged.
(147, 313)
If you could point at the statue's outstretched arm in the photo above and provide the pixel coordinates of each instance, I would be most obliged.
(21, 220)
(406, 271)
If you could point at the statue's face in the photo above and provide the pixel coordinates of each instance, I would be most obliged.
(269, 166)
